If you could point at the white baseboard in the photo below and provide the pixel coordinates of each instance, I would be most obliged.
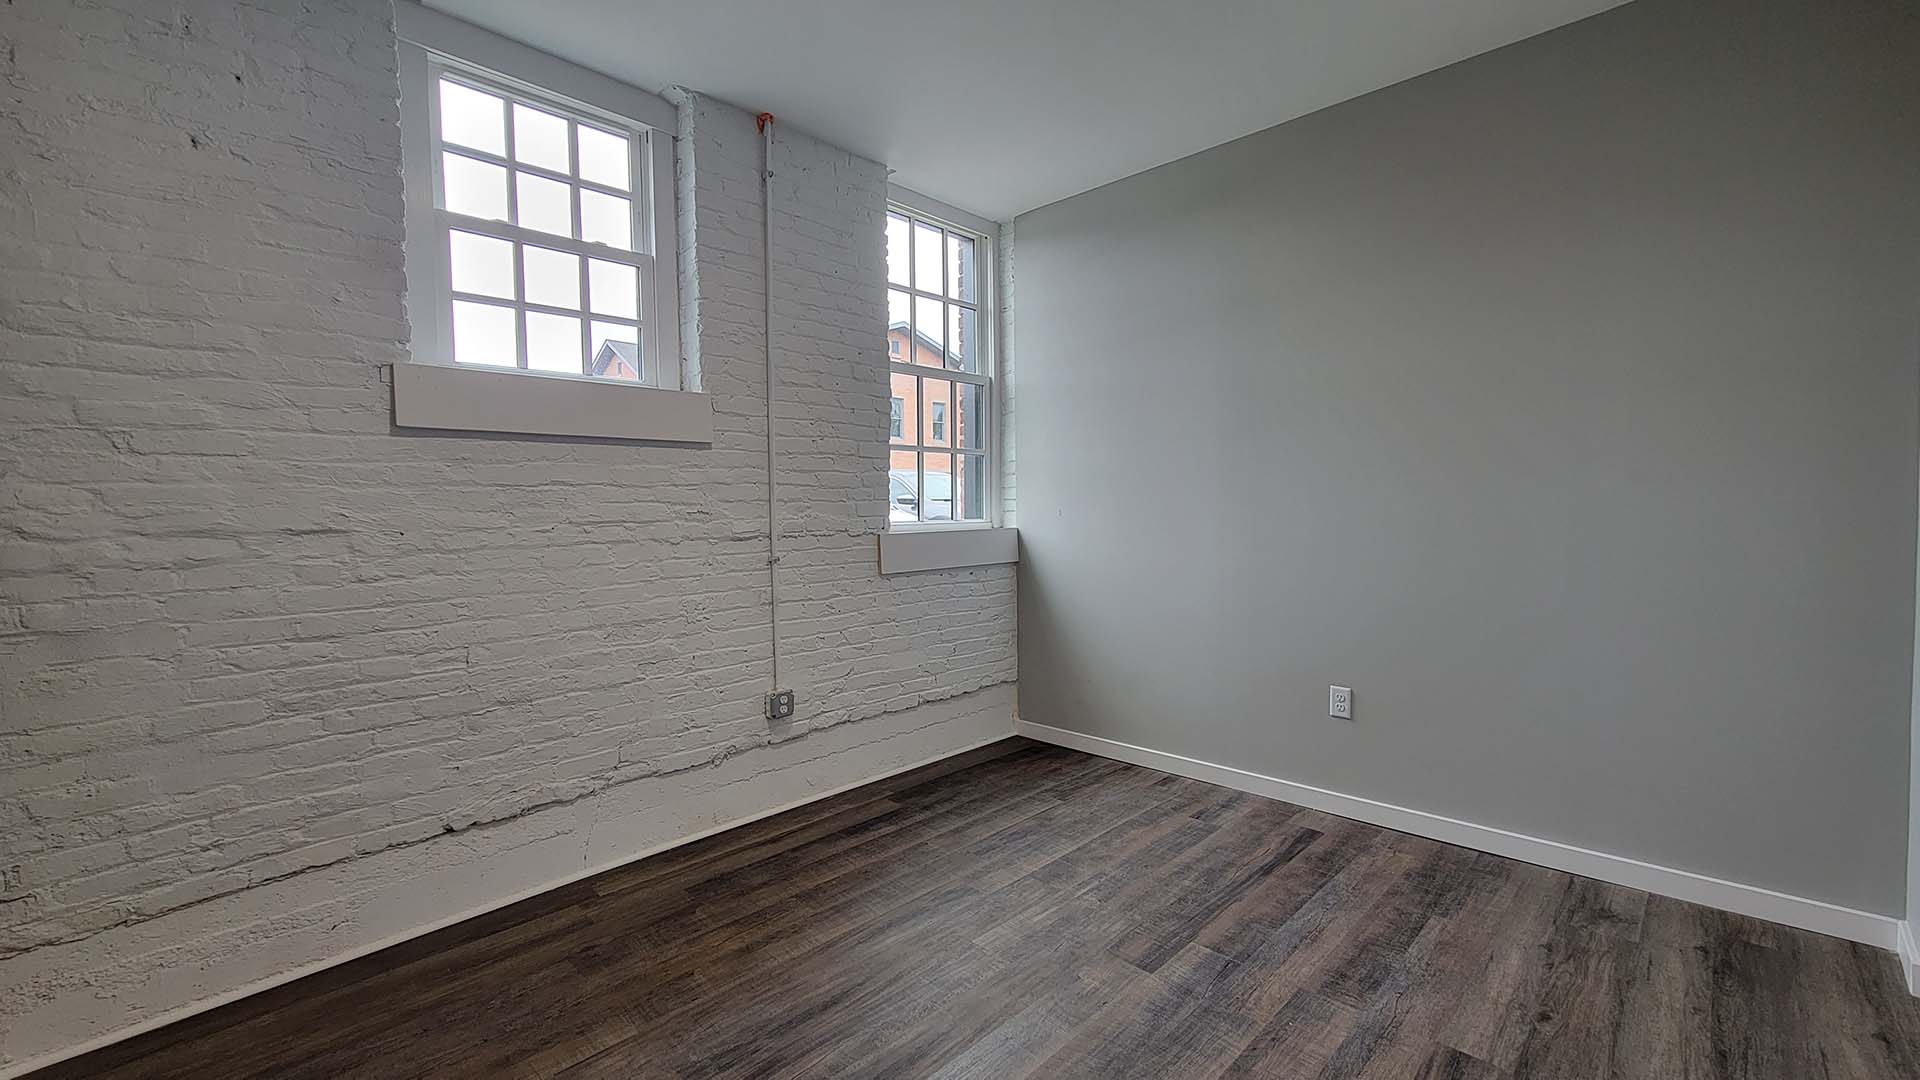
(11, 1069)
(1909, 958)
(1816, 915)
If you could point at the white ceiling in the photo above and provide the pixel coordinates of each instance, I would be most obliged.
(1000, 106)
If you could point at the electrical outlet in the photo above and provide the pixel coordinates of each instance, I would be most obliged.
(1340, 702)
(780, 705)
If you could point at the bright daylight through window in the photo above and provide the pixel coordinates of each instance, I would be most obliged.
(541, 252)
(939, 461)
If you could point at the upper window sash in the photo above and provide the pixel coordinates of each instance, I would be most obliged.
(638, 194)
(942, 296)
(639, 197)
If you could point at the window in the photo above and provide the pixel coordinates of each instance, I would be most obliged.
(539, 225)
(940, 362)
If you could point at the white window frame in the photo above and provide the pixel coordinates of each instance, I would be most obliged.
(917, 207)
(432, 45)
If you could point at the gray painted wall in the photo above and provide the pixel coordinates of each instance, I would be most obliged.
(1913, 802)
(1562, 402)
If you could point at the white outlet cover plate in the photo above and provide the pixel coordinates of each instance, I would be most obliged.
(1340, 702)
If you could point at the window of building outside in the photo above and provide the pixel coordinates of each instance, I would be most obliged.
(940, 461)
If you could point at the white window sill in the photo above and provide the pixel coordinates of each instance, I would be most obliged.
(478, 399)
(909, 551)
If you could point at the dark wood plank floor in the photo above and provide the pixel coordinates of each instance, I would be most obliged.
(1043, 913)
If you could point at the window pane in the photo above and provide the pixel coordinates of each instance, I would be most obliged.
(484, 334)
(481, 264)
(970, 417)
(606, 219)
(553, 342)
(962, 283)
(552, 277)
(897, 268)
(936, 481)
(962, 334)
(474, 188)
(928, 320)
(613, 289)
(896, 418)
(939, 395)
(926, 258)
(471, 118)
(603, 158)
(970, 494)
(616, 351)
(543, 204)
(903, 485)
(900, 323)
(906, 391)
(540, 138)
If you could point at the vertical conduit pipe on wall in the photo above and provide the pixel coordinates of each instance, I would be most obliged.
(765, 122)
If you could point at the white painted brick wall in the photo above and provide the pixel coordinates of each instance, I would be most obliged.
(248, 632)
